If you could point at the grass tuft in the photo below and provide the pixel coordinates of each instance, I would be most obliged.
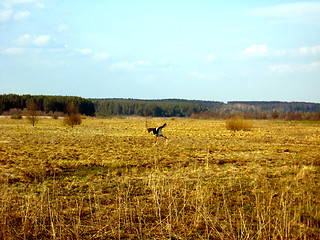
(238, 124)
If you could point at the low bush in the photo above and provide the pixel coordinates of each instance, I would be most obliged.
(72, 120)
(16, 116)
(238, 124)
(54, 116)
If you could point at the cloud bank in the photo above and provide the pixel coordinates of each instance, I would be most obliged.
(291, 12)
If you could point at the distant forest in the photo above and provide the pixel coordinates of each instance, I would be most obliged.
(281, 107)
(207, 109)
(46, 103)
(165, 107)
(157, 108)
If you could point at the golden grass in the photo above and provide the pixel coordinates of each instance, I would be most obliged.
(238, 124)
(106, 179)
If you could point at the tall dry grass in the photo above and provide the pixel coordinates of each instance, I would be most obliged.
(238, 124)
(161, 207)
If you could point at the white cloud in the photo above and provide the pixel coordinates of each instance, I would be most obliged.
(311, 66)
(63, 27)
(41, 40)
(281, 68)
(13, 50)
(128, 66)
(148, 79)
(196, 75)
(142, 63)
(290, 12)
(255, 51)
(9, 3)
(100, 56)
(94, 56)
(28, 40)
(298, 52)
(205, 76)
(122, 66)
(40, 5)
(23, 40)
(85, 51)
(291, 68)
(21, 15)
(5, 15)
(13, 2)
(163, 61)
(211, 58)
(310, 50)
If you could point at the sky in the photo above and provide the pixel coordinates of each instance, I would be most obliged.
(227, 50)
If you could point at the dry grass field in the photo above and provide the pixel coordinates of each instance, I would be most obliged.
(106, 179)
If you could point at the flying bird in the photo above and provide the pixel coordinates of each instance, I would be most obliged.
(157, 132)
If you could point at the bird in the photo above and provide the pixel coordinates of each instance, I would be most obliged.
(157, 132)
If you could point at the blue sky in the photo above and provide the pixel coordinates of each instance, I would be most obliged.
(206, 50)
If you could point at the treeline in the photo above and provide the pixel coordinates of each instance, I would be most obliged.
(166, 107)
(231, 113)
(110, 107)
(202, 103)
(252, 107)
(269, 107)
(46, 103)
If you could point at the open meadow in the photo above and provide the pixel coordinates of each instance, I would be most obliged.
(107, 179)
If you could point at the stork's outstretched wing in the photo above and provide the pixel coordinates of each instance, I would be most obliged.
(156, 129)
(150, 129)
(163, 125)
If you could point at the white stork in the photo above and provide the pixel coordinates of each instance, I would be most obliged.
(157, 132)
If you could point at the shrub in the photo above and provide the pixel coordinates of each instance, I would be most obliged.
(54, 116)
(73, 117)
(237, 124)
(15, 113)
(275, 114)
(72, 120)
(32, 112)
(16, 116)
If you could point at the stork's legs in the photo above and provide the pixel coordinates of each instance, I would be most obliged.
(156, 137)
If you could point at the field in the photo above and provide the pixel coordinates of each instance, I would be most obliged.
(107, 179)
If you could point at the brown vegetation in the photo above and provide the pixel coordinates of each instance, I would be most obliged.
(32, 109)
(73, 117)
(238, 123)
(106, 179)
(289, 116)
